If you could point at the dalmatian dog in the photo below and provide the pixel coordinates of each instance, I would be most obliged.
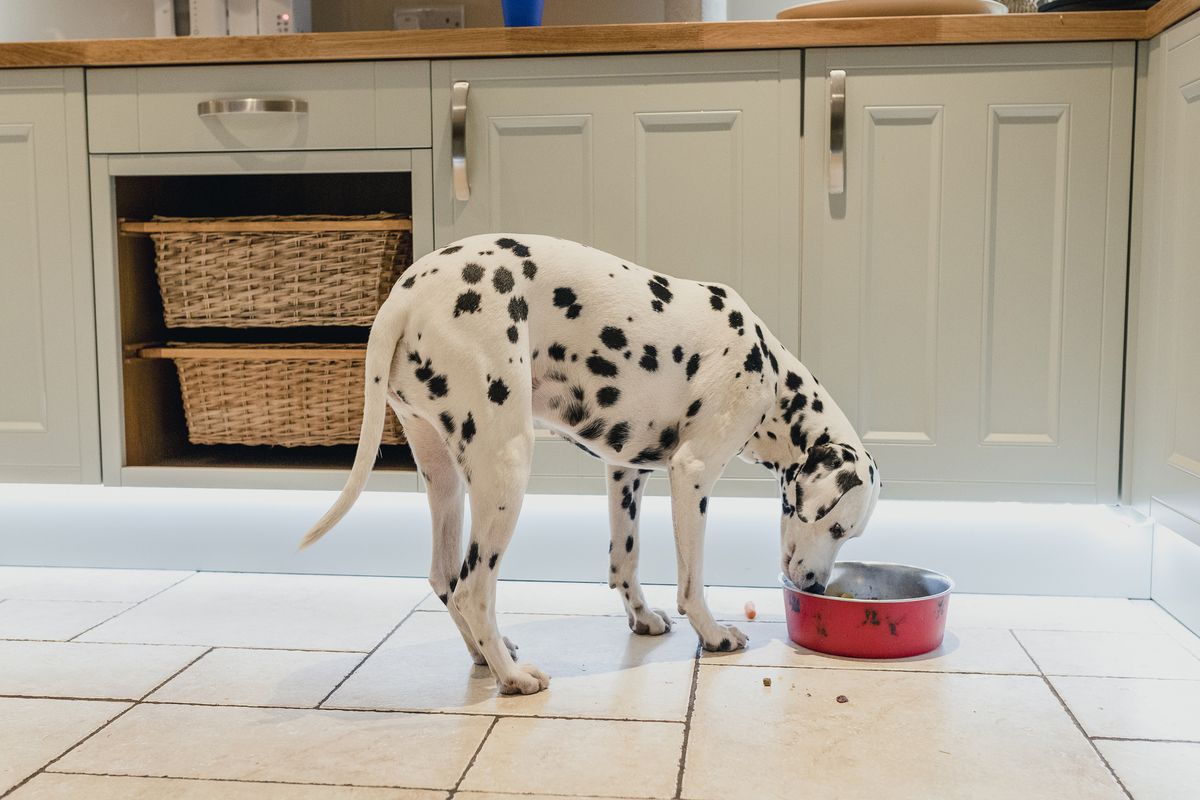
(488, 337)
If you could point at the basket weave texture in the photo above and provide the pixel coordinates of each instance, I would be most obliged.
(277, 278)
(287, 401)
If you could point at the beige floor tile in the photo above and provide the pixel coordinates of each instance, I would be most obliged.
(56, 620)
(728, 603)
(315, 612)
(1031, 612)
(59, 583)
(899, 735)
(1113, 655)
(98, 671)
(597, 668)
(1133, 708)
(417, 751)
(526, 796)
(530, 597)
(1155, 770)
(259, 678)
(576, 756)
(54, 786)
(33, 732)
(962, 650)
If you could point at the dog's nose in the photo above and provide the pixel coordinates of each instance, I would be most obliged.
(815, 588)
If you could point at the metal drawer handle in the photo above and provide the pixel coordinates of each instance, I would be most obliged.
(458, 140)
(253, 105)
(837, 131)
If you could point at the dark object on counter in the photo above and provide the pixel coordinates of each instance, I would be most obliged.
(1096, 5)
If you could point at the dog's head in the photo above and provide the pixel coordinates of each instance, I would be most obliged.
(827, 500)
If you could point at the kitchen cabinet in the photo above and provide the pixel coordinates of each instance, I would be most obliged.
(1165, 389)
(49, 429)
(685, 163)
(964, 266)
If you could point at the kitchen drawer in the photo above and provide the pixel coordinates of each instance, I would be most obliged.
(351, 105)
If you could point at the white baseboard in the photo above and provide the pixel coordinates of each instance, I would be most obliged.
(986, 547)
(1176, 582)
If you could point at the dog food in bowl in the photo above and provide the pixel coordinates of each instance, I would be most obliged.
(870, 610)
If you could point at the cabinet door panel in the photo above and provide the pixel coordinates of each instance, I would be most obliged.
(962, 298)
(48, 411)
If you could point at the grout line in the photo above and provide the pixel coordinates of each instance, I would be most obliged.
(471, 763)
(135, 605)
(174, 675)
(708, 662)
(1138, 739)
(194, 644)
(687, 719)
(244, 780)
(1066, 709)
(371, 652)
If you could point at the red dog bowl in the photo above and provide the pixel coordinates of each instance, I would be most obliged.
(892, 611)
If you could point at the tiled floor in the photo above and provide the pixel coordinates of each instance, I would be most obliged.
(122, 684)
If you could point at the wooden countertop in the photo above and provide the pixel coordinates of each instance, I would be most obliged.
(594, 39)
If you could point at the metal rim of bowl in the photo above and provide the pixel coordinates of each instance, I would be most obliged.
(791, 587)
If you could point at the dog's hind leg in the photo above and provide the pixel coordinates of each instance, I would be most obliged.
(444, 488)
(625, 487)
(692, 478)
(498, 464)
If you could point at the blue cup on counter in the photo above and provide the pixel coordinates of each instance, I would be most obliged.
(522, 13)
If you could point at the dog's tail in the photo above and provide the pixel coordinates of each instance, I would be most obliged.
(381, 349)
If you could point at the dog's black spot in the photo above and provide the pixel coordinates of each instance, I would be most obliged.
(447, 421)
(564, 297)
(647, 456)
(502, 279)
(660, 290)
(677, 353)
(467, 303)
(598, 365)
(725, 646)
(408, 283)
(472, 273)
(492, 560)
(617, 436)
(754, 361)
(438, 386)
(377, 379)
(573, 311)
(613, 338)
(822, 439)
(468, 428)
(716, 302)
(637, 482)
(668, 437)
(557, 352)
(693, 365)
(518, 309)
(718, 291)
(513, 334)
(453, 583)
(847, 480)
(618, 475)
(735, 319)
(649, 360)
(626, 497)
(799, 437)
(703, 505)
(633, 510)
(473, 556)
(607, 395)
(694, 408)
(628, 544)
(529, 269)
(451, 250)
(657, 305)
(836, 530)
(463, 572)
(871, 472)
(793, 381)
(821, 455)
(576, 413)
(817, 405)
(519, 250)
(445, 598)
(797, 403)
(498, 392)
(423, 372)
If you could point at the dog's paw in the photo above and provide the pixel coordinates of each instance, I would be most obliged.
(525, 679)
(650, 622)
(480, 661)
(728, 638)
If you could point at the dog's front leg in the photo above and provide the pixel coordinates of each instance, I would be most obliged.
(625, 487)
(692, 479)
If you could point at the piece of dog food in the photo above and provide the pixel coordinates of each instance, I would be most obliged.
(751, 613)
(841, 698)
(766, 682)
(846, 595)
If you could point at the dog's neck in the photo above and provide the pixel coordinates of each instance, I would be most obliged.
(795, 422)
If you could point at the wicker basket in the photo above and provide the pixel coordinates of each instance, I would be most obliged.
(245, 272)
(290, 394)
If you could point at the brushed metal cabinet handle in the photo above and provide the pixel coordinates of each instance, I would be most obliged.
(458, 140)
(837, 131)
(252, 105)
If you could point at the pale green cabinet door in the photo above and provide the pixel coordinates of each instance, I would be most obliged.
(48, 405)
(687, 164)
(963, 295)
(1165, 392)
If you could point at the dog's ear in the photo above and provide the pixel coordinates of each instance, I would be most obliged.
(829, 472)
